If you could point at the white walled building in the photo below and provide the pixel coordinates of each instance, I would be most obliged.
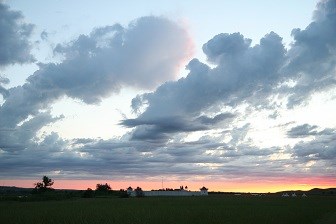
(204, 191)
(169, 193)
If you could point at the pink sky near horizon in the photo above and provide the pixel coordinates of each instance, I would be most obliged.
(258, 186)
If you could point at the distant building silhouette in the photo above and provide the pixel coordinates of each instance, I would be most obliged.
(170, 192)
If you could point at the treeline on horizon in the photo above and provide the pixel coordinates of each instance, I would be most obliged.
(44, 191)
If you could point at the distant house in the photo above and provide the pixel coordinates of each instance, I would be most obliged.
(130, 191)
(204, 191)
(294, 195)
(170, 192)
(285, 195)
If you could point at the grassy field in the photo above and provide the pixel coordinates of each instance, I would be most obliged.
(174, 210)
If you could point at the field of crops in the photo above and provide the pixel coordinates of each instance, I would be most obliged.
(174, 210)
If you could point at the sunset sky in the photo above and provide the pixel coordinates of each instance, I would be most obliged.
(233, 95)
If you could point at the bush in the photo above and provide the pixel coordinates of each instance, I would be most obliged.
(89, 193)
(103, 187)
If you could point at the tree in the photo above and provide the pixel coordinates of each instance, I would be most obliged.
(103, 187)
(138, 192)
(88, 193)
(47, 182)
(45, 185)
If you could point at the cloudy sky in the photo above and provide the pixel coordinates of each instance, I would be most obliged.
(234, 95)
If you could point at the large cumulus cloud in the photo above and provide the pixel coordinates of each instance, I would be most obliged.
(250, 74)
(241, 70)
(14, 37)
(312, 55)
(146, 53)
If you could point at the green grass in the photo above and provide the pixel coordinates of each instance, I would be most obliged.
(161, 210)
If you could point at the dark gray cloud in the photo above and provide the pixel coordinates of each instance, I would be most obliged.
(3, 91)
(306, 130)
(225, 46)
(302, 131)
(123, 158)
(162, 128)
(14, 37)
(216, 119)
(24, 135)
(23, 101)
(322, 147)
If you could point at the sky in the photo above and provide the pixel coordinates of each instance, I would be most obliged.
(232, 95)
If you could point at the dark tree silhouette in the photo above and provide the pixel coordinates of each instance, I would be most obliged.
(47, 182)
(103, 187)
(45, 185)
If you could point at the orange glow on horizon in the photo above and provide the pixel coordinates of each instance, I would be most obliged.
(257, 186)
